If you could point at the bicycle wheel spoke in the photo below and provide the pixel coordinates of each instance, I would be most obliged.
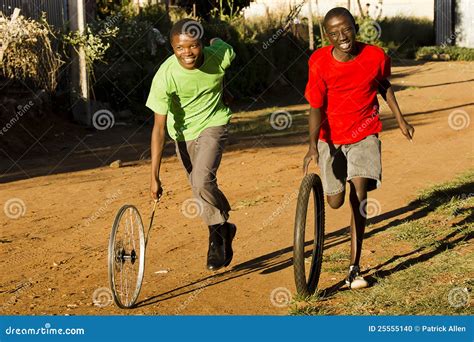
(126, 256)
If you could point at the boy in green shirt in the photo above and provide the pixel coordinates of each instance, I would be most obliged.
(187, 97)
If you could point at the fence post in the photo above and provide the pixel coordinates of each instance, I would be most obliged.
(310, 25)
(79, 75)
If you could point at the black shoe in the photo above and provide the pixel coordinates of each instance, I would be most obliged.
(216, 253)
(229, 234)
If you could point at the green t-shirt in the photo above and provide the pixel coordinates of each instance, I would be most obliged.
(193, 98)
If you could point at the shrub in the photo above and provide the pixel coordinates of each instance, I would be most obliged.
(134, 55)
(455, 53)
(404, 35)
(28, 52)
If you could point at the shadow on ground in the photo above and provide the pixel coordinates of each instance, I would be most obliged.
(87, 149)
(281, 259)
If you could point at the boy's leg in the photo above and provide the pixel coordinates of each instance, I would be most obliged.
(201, 159)
(364, 173)
(357, 198)
(206, 159)
(333, 165)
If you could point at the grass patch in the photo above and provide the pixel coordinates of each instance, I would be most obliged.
(274, 122)
(414, 232)
(337, 256)
(249, 203)
(447, 53)
(425, 267)
(421, 289)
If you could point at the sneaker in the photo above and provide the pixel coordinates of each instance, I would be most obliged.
(216, 252)
(354, 280)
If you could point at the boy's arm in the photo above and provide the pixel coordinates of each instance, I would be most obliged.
(227, 96)
(314, 123)
(158, 137)
(386, 90)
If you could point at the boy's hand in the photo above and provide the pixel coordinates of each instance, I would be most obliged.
(213, 40)
(407, 130)
(156, 189)
(312, 154)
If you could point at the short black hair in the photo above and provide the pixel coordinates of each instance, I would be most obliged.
(187, 26)
(338, 12)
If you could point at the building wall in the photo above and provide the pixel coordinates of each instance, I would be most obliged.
(390, 8)
(465, 23)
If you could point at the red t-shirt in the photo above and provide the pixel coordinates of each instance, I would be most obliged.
(346, 92)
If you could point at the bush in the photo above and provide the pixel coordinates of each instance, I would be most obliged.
(406, 34)
(29, 54)
(267, 55)
(454, 53)
(133, 57)
(265, 52)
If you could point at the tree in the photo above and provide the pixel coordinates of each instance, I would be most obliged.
(204, 7)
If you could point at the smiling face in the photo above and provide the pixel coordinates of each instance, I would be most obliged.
(188, 50)
(341, 32)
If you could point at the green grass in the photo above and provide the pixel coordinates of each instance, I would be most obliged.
(337, 256)
(258, 123)
(453, 53)
(249, 203)
(424, 262)
(420, 289)
(414, 232)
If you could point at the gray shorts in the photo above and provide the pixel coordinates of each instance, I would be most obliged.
(341, 163)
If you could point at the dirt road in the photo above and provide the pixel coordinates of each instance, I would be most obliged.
(54, 257)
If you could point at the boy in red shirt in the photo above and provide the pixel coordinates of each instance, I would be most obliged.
(344, 123)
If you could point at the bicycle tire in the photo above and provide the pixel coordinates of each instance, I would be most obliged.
(311, 183)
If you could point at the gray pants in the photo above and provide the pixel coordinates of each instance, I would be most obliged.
(340, 163)
(201, 158)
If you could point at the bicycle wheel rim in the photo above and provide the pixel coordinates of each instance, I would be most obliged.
(126, 262)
